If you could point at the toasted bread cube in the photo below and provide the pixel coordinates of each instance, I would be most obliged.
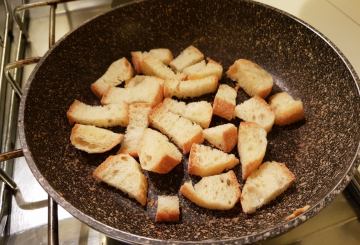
(156, 153)
(224, 136)
(219, 192)
(190, 88)
(124, 173)
(264, 185)
(91, 139)
(194, 68)
(180, 130)
(133, 82)
(225, 101)
(205, 161)
(251, 147)
(138, 122)
(148, 91)
(198, 112)
(117, 73)
(256, 110)
(100, 116)
(251, 77)
(152, 66)
(164, 55)
(188, 57)
(287, 110)
(167, 209)
(212, 68)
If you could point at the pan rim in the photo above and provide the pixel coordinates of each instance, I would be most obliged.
(128, 237)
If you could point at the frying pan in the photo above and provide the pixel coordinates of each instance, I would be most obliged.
(320, 150)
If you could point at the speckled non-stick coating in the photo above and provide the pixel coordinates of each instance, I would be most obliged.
(320, 150)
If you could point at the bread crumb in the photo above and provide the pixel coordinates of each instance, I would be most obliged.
(151, 203)
(237, 87)
(297, 212)
(159, 233)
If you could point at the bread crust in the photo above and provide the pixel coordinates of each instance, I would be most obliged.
(166, 164)
(71, 110)
(95, 88)
(230, 138)
(167, 217)
(137, 59)
(223, 108)
(197, 139)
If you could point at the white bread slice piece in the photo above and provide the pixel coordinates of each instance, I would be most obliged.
(124, 173)
(180, 130)
(156, 153)
(212, 68)
(251, 147)
(287, 110)
(224, 136)
(256, 110)
(194, 68)
(91, 139)
(205, 161)
(148, 91)
(118, 72)
(225, 101)
(100, 116)
(164, 55)
(251, 77)
(152, 66)
(220, 192)
(198, 112)
(138, 122)
(133, 82)
(167, 209)
(264, 185)
(190, 88)
(188, 57)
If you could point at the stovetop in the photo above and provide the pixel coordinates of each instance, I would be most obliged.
(338, 223)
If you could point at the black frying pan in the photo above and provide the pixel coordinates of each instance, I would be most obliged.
(320, 150)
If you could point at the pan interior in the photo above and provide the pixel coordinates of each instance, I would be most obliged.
(319, 150)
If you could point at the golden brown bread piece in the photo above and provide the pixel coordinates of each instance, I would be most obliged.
(219, 192)
(168, 209)
(225, 101)
(124, 173)
(156, 153)
(100, 116)
(287, 110)
(264, 185)
(94, 140)
(224, 137)
(206, 161)
(251, 147)
(251, 77)
(179, 129)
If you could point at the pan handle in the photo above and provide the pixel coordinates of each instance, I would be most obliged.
(18, 64)
(3, 175)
